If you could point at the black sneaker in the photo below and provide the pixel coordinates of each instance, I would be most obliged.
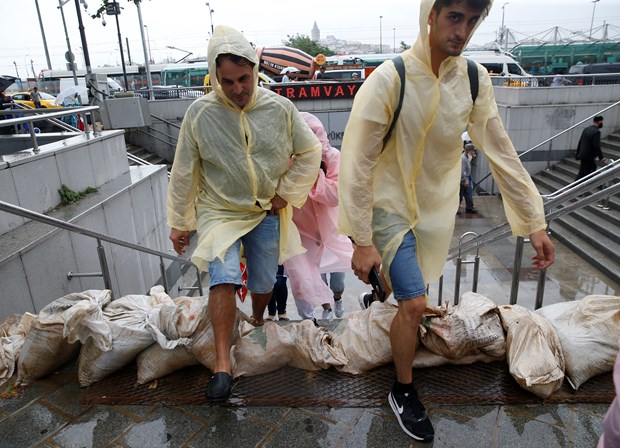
(365, 299)
(411, 415)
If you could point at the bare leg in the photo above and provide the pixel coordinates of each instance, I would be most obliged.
(223, 310)
(404, 336)
(259, 303)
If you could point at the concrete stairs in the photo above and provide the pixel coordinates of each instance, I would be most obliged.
(592, 232)
(147, 157)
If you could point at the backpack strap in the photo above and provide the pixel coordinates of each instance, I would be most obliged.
(472, 73)
(399, 64)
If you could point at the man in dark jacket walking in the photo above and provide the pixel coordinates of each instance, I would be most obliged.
(589, 148)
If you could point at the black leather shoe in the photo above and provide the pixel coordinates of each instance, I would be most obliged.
(219, 387)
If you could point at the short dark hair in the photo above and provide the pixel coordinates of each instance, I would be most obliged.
(234, 58)
(481, 6)
(598, 118)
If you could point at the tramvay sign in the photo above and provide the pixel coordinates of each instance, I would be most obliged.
(316, 91)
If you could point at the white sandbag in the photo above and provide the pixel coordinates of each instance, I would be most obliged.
(156, 362)
(301, 345)
(588, 330)
(534, 352)
(424, 358)
(46, 349)
(13, 332)
(363, 337)
(131, 333)
(470, 328)
(203, 345)
(176, 324)
(85, 320)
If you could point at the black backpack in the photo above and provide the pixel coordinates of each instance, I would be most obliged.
(472, 74)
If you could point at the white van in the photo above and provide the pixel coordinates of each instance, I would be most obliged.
(496, 63)
(344, 74)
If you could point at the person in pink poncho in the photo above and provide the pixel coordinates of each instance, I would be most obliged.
(317, 222)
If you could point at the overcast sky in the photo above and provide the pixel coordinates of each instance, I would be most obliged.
(186, 24)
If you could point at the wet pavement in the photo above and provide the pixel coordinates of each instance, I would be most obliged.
(49, 412)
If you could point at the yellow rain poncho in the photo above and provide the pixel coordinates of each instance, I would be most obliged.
(414, 182)
(231, 162)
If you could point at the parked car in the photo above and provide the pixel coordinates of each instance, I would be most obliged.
(47, 100)
(606, 73)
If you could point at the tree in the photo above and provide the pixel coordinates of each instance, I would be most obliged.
(404, 46)
(305, 43)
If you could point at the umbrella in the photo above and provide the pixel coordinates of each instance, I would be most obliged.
(289, 70)
(70, 92)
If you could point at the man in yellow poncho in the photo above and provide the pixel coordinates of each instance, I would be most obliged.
(244, 156)
(398, 202)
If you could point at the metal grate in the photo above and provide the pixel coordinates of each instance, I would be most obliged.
(475, 384)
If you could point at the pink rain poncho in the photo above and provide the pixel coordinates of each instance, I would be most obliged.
(317, 222)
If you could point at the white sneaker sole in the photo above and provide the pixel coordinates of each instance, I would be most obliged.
(394, 407)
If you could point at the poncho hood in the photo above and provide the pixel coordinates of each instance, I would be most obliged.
(227, 40)
(422, 47)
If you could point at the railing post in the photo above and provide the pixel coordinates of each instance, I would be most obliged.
(457, 281)
(199, 281)
(516, 269)
(35, 144)
(540, 288)
(105, 270)
(440, 291)
(164, 279)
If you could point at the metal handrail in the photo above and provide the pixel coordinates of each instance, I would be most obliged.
(29, 214)
(48, 115)
(564, 201)
(550, 139)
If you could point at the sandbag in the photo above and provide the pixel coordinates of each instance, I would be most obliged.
(588, 330)
(469, 328)
(45, 348)
(203, 346)
(156, 362)
(267, 348)
(534, 352)
(131, 333)
(424, 358)
(363, 337)
(13, 332)
(176, 324)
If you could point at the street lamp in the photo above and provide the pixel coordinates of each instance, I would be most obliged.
(210, 16)
(394, 43)
(148, 39)
(180, 49)
(380, 34)
(69, 57)
(16, 71)
(504, 34)
(47, 54)
(594, 2)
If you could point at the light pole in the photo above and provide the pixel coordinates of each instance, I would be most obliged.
(210, 16)
(380, 34)
(394, 42)
(147, 66)
(83, 35)
(148, 40)
(69, 57)
(16, 71)
(47, 54)
(180, 49)
(594, 2)
(504, 34)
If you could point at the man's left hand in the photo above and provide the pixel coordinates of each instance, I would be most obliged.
(277, 203)
(545, 252)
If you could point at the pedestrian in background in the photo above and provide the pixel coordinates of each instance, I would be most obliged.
(589, 148)
(35, 96)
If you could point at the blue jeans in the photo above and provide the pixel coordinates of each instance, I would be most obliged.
(280, 294)
(261, 246)
(336, 281)
(407, 280)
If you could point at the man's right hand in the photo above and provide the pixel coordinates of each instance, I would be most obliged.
(362, 261)
(180, 239)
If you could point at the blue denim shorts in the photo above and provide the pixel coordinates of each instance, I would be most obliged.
(336, 281)
(405, 274)
(261, 247)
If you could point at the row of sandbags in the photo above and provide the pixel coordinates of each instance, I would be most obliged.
(576, 339)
